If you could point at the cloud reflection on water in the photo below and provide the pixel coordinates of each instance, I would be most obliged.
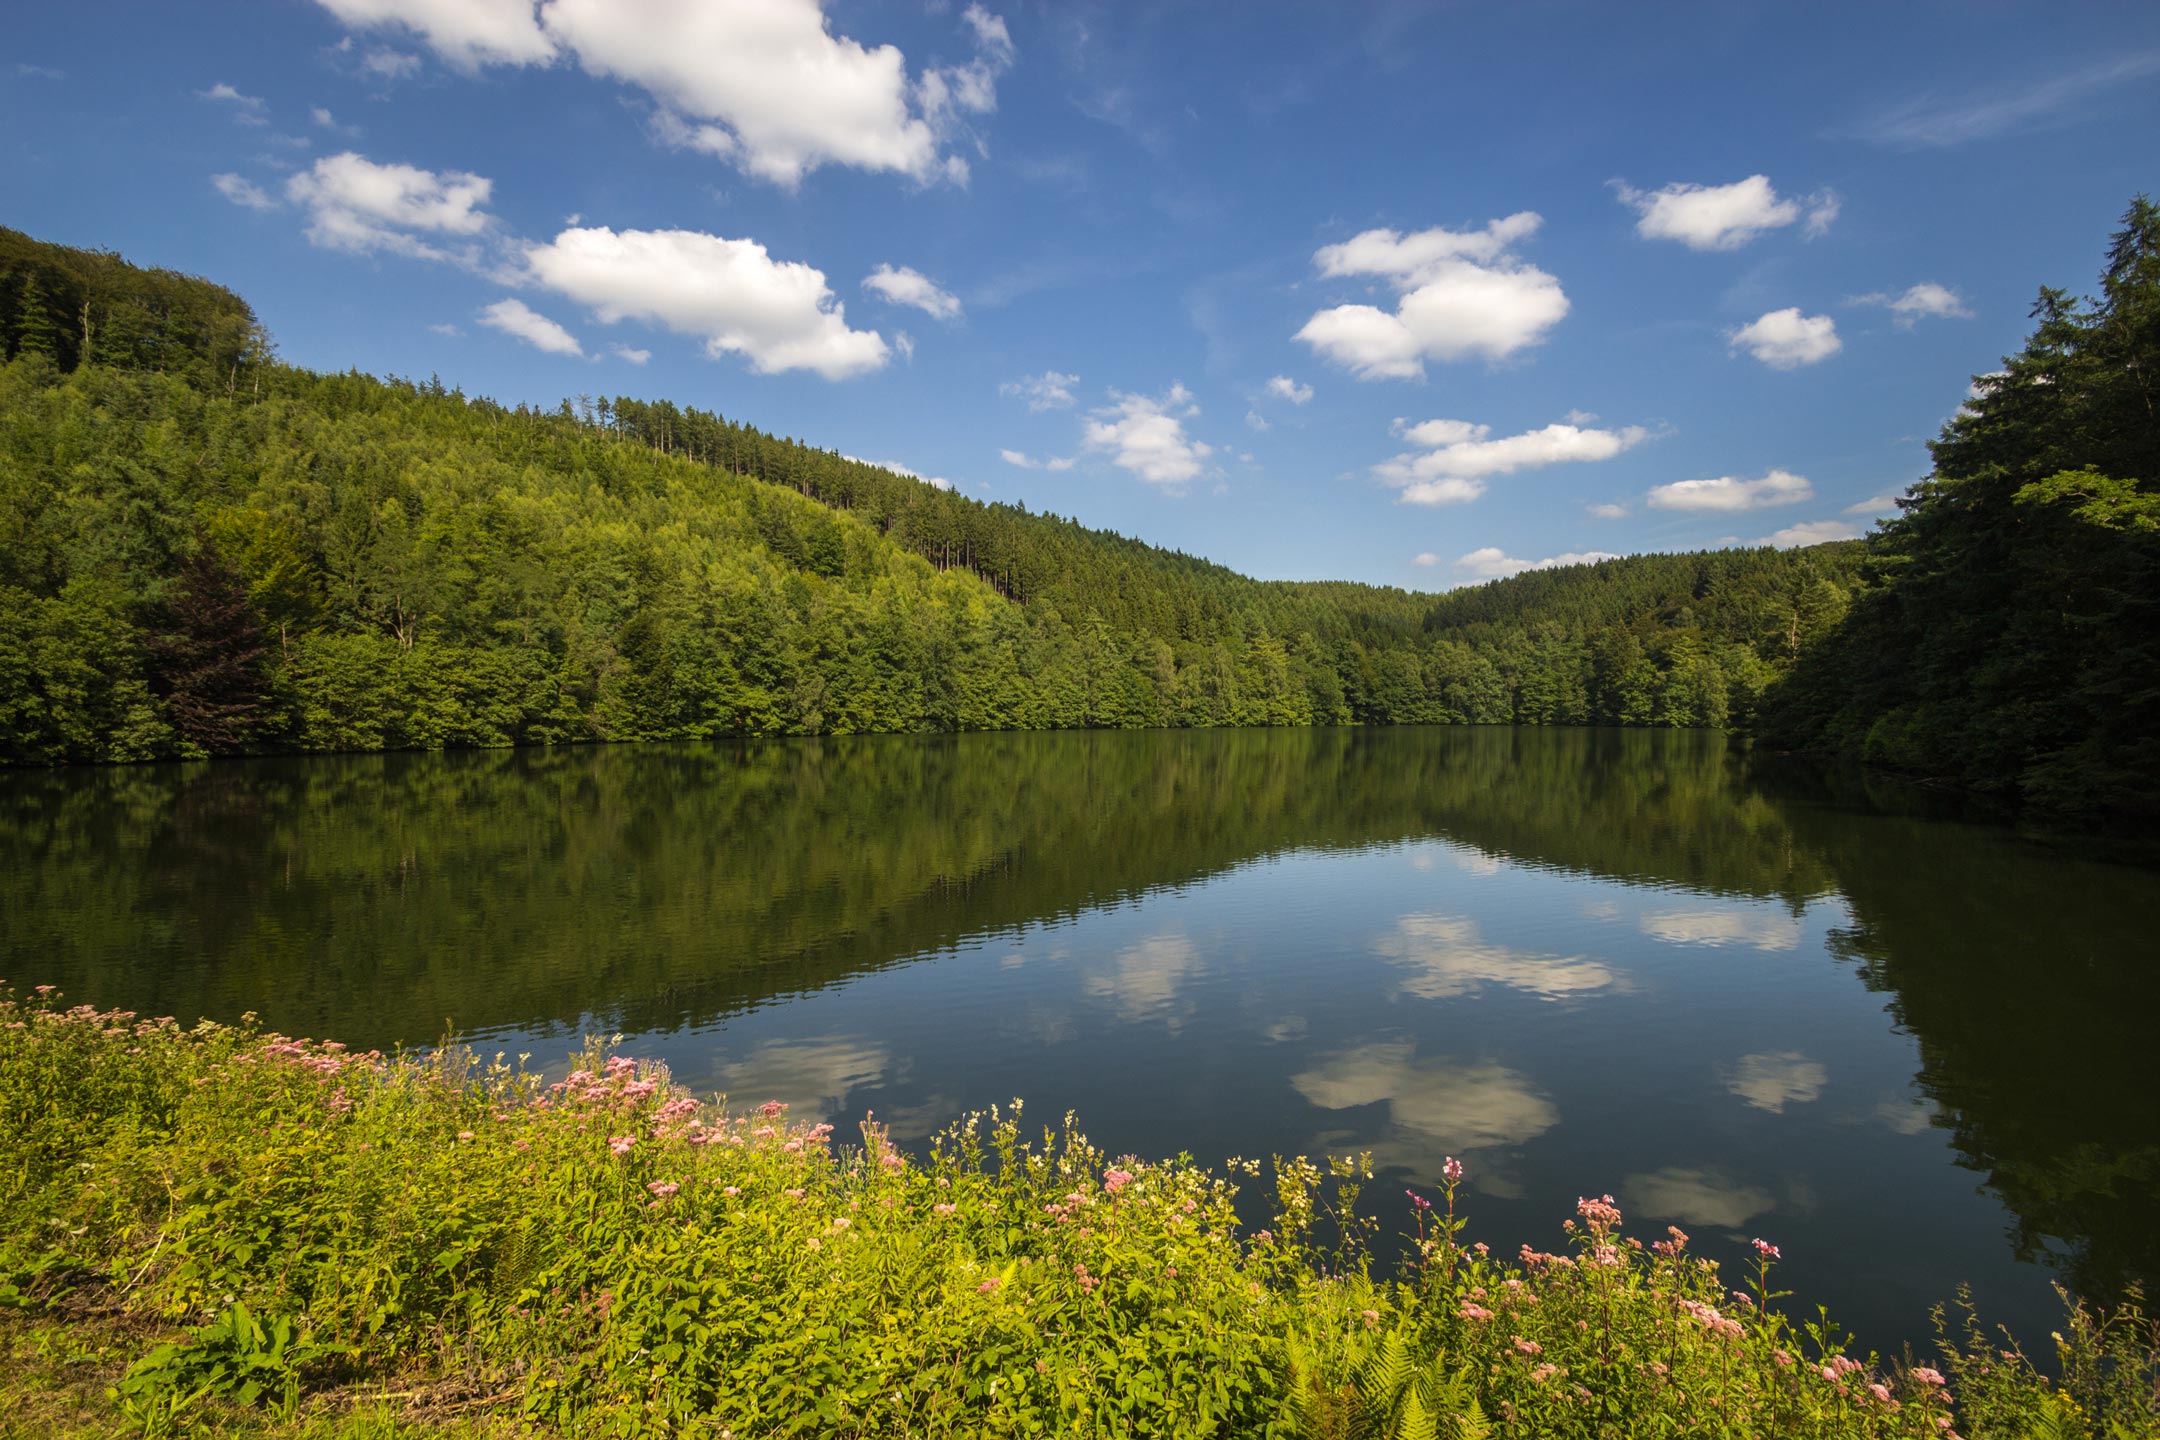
(1447, 957)
(1461, 1106)
(809, 1075)
(1761, 928)
(1772, 1080)
(1143, 981)
(1695, 1197)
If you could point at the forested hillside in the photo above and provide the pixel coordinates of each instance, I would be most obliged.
(203, 551)
(2012, 642)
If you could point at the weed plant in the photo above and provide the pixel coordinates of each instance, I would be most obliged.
(309, 1228)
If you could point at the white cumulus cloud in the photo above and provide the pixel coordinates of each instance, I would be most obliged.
(243, 191)
(1727, 494)
(515, 317)
(1284, 388)
(1425, 558)
(731, 294)
(1876, 505)
(1811, 532)
(1785, 339)
(1047, 391)
(1611, 510)
(630, 354)
(1463, 294)
(1924, 301)
(1493, 563)
(1722, 217)
(1457, 456)
(903, 286)
(765, 85)
(247, 109)
(465, 33)
(1146, 435)
(355, 204)
(1028, 462)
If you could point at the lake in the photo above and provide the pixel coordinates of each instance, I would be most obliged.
(1745, 997)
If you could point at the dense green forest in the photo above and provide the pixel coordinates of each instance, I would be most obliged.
(204, 551)
(2010, 636)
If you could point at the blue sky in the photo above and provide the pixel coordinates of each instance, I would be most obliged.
(1412, 294)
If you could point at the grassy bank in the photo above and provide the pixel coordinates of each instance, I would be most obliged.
(220, 1230)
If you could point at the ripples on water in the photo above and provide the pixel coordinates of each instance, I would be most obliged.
(1912, 1051)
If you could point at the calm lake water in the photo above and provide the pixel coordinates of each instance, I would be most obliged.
(1913, 1052)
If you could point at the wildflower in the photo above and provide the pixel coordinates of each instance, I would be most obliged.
(732, 1191)
(793, 1194)
(1452, 1169)
(663, 1188)
(1768, 1251)
(1418, 1200)
(988, 1285)
(1928, 1376)
(1372, 1317)
(945, 1209)
(464, 1135)
(1598, 1213)
(621, 1144)
(1471, 1310)
(1546, 1372)
(1114, 1180)
(842, 1223)
(1528, 1347)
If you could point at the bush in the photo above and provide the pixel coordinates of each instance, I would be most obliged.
(607, 1255)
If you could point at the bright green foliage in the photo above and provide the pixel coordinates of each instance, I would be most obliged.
(2013, 643)
(607, 1256)
(425, 570)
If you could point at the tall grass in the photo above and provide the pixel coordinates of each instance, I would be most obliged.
(607, 1255)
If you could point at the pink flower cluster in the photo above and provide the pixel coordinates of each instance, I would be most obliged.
(1600, 1213)
(1712, 1319)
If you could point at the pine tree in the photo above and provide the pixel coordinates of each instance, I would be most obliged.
(35, 332)
(206, 655)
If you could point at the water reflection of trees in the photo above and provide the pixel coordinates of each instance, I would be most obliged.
(2025, 973)
(380, 897)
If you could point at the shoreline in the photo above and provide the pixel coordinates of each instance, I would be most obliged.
(305, 1224)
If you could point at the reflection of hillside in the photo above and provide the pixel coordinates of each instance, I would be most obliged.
(2027, 977)
(381, 896)
(378, 897)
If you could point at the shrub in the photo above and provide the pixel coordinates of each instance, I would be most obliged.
(608, 1255)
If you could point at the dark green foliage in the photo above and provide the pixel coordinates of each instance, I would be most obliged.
(81, 307)
(202, 551)
(2014, 644)
(205, 657)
